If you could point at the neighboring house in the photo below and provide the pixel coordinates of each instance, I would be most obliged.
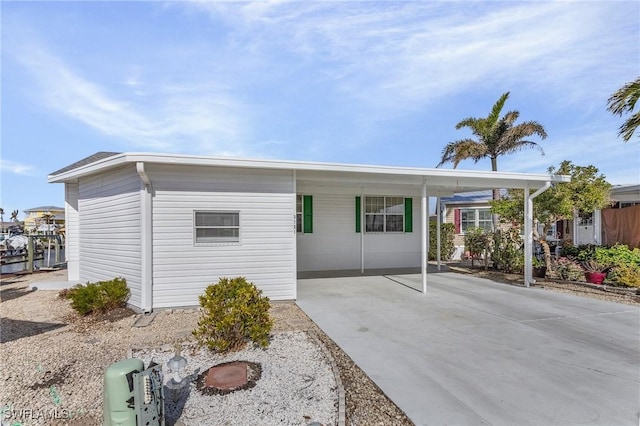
(35, 220)
(467, 210)
(173, 224)
(621, 223)
(618, 224)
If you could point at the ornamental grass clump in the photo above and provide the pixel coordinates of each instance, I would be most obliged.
(234, 312)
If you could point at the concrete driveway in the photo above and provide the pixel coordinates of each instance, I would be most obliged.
(474, 352)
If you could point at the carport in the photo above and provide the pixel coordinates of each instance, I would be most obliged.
(478, 352)
(422, 184)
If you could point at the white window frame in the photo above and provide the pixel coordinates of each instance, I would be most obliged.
(476, 218)
(300, 213)
(384, 214)
(213, 240)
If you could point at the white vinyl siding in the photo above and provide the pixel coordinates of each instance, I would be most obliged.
(265, 254)
(72, 231)
(110, 223)
(334, 244)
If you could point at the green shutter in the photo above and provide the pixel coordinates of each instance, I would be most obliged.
(307, 212)
(408, 215)
(358, 214)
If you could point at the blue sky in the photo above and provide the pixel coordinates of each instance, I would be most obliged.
(356, 82)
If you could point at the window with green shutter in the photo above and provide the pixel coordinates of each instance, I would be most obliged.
(304, 214)
(307, 208)
(408, 215)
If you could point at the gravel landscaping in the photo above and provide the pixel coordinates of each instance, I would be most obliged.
(288, 391)
(54, 361)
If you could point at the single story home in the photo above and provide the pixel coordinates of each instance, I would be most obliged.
(466, 210)
(619, 223)
(171, 224)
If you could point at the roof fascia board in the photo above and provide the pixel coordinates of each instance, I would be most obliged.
(435, 177)
(73, 175)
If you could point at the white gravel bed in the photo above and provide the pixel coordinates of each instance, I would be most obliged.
(297, 386)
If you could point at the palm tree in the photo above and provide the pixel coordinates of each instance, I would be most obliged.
(14, 215)
(496, 136)
(1, 215)
(624, 100)
(48, 219)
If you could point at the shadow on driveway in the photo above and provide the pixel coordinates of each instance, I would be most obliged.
(472, 351)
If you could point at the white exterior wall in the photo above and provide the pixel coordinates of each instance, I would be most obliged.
(109, 228)
(265, 254)
(72, 231)
(334, 243)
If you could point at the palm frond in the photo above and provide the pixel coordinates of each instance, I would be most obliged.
(624, 99)
(497, 108)
(519, 146)
(629, 126)
(464, 149)
(526, 129)
(510, 117)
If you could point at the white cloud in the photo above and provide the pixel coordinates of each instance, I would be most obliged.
(192, 117)
(17, 168)
(618, 161)
(399, 55)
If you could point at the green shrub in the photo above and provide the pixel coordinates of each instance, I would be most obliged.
(477, 242)
(566, 269)
(447, 232)
(99, 297)
(581, 253)
(508, 251)
(628, 275)
(617, 255)
(234, 312)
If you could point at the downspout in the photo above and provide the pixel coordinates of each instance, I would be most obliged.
(146, 194)
(528, 232)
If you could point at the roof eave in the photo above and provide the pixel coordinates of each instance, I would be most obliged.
(523, 179)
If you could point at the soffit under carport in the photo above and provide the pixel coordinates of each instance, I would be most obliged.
(438, 182)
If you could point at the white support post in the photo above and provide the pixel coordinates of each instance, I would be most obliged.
(528, 237)
(362, 227)
(424, 234)
(528, 232)
(294, 199)
(438, 220)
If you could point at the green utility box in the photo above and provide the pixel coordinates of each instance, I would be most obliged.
(119, 392)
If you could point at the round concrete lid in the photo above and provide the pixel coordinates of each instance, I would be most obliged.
(227, 376)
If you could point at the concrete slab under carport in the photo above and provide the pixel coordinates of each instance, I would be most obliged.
(473, 351)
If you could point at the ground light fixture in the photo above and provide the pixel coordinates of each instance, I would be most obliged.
(176, 366)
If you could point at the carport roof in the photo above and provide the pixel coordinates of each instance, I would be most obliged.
(437, 180)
